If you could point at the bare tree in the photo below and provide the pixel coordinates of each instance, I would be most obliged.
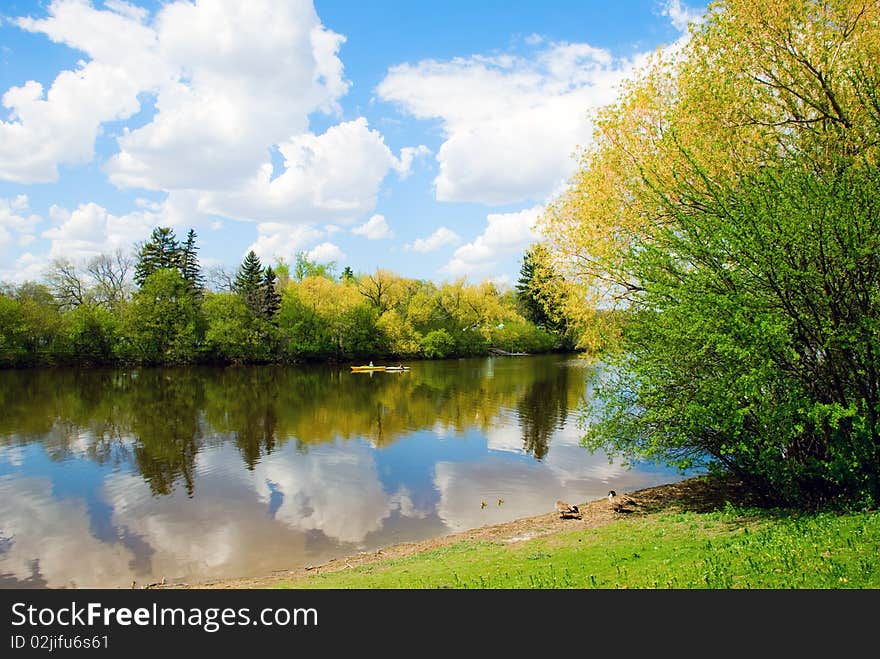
(66, 284)
(221, 280)
(110, 275)
(379, 288)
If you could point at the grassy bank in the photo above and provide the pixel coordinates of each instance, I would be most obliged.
(665, 542)
(733, 549)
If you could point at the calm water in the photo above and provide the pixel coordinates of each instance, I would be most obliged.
(199, 473)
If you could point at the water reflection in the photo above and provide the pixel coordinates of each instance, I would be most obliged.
(198, 473)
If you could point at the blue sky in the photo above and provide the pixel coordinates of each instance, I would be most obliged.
(422, 137)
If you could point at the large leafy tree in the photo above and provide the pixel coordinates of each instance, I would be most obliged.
(163, 323)
(728, 205)
(233, 333)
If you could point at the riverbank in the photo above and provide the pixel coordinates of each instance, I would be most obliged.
(545, 551)
(698, 533)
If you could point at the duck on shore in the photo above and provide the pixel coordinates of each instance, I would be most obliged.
(566, 510)
(620, 503)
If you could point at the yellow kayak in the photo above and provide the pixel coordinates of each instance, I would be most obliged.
(364, 369)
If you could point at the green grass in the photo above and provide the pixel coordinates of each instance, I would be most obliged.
(729, 549)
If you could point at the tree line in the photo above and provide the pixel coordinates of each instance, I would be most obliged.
(159, 307)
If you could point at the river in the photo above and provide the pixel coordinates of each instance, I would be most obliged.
(109, 476)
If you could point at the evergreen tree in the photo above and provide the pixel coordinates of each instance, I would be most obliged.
(347, 274)
(529, 301)
(161, 251)
(189, 264)
(271, 298)
(249, 280)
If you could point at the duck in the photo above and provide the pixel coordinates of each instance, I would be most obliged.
(500, 501)
(620, 503)
(566, 510)
(482, 504)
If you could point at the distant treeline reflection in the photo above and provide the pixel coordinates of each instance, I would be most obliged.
(157, 420)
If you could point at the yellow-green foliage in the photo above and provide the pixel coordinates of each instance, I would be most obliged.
(756, 82)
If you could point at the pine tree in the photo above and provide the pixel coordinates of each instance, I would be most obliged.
(248, 281)
(271, 298)
(161, 251)
(347, 274)
(189, 264)
(529, 302)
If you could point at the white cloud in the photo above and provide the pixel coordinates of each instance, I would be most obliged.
(680, 15)
(333, 177)
(17, 224)
(436, 240)
(506, 234)
(90, 230)
(376, 228)
(47, 128)
(26, 267)
(247, 75)
(325, 253)
(511, 123)
(127, 9)
(229, 82)
(407, 155)
(281, 241)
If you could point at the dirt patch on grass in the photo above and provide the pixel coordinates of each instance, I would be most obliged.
(699, 494)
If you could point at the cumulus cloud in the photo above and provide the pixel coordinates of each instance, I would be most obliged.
(234, 95)
(17, 223)
(510, 123)
(376, 228)
(282, 241)
(436, 240)
(325, 253)
(90, 230)
(228, 83)
(506, 235)
(333, 177)
(47, 128)
(680, 15)
(403, 166)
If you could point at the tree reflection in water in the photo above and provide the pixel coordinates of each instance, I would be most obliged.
(158, 420)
